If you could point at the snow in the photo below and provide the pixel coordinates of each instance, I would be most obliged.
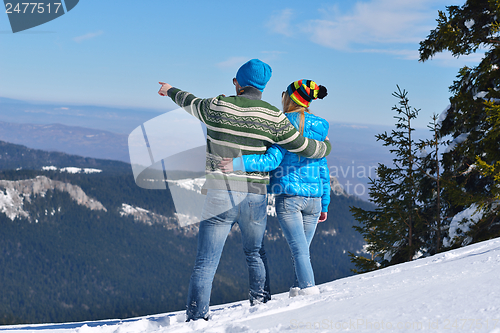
(459, 139)
(190, 184)
(16, 192)
(443, 114)
(480, 94)
(455, 291)
(469, 23)
(388, 255)
(423, 153)
(144, 215)
(188, 199)
(469, 169)
(11, 203)
(78, 170)
(470, 216)
(90, 170)
(130, 210)
(71, 169)
(186, 219)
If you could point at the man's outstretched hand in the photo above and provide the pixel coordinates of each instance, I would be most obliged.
(164, 88)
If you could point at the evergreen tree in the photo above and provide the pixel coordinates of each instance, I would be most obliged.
(470, 120)
(393, 230)
(432, 205)
(491, 140)
(490, 225)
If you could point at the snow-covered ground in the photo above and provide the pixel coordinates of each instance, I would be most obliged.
(456, 291)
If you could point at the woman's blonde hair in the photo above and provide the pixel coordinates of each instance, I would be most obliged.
(290, 106)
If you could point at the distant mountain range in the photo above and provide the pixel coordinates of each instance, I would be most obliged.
(68, 139)
(91, 131)
(102, 133)
(110, 119)
(15, 156)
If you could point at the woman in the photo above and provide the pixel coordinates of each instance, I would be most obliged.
(301, 185)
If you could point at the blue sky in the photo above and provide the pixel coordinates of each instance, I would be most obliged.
(113, 53)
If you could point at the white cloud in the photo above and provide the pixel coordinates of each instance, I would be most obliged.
(268, 56)
(381, 26)
(281, 23)
(448, 60)
(374, 22)
(400, 54)
(90, 35)
(233, 62)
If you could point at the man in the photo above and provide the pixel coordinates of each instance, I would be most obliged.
(237, 125)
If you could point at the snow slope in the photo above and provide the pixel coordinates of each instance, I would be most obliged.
(456, 291)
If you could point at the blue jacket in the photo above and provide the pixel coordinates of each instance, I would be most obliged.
(290, 173)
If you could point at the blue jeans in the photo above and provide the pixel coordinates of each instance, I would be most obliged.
(222, 209)
(298, 217)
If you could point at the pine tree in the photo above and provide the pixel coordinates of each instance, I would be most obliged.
(432, 205)
(491, 144)
(393, 230)
(491, 224)
(464, 30)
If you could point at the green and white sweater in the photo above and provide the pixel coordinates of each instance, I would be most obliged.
(243, 125)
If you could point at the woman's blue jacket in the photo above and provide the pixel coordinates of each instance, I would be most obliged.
(290, 173)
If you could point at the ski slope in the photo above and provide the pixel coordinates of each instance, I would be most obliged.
(455, 291)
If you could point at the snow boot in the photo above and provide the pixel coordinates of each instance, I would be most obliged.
(294, 291)
(314, 290)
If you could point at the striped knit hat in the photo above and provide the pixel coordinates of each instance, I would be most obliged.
(303, 92)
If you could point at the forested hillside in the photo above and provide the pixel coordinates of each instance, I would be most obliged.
(67, 262)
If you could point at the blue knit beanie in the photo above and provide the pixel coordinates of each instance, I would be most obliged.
(254, 73)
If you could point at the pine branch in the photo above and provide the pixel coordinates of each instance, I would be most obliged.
(493, 41)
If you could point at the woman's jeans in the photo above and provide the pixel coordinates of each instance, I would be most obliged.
(298, 217)
(221, 210)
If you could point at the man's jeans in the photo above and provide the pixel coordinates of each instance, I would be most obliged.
(221, 210)
(298, 217)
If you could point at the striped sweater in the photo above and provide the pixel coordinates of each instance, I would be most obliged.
(244, 125)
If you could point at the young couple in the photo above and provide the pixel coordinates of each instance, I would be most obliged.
(247, 138)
